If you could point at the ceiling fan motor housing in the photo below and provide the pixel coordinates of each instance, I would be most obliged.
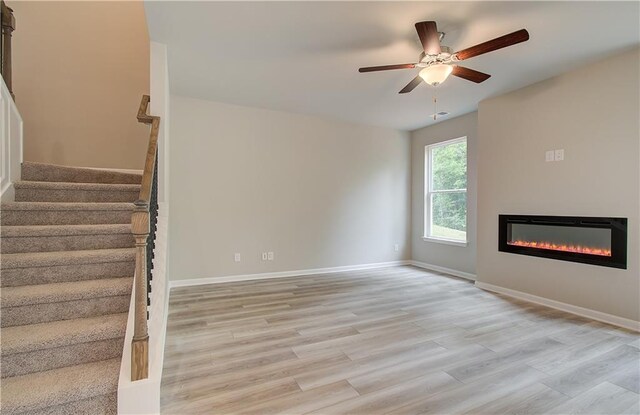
(445, 56)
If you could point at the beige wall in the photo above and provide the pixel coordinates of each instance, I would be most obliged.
(592, 113)
(434, 253)
(318, 193)
(79, 71)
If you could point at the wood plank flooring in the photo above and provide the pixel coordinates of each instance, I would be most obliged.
(397, 340)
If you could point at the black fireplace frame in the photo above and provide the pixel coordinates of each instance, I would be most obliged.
(618, 227)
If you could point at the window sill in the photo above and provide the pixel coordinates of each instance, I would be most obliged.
(444, 241)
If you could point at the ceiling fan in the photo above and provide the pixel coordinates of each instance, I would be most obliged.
(437, 61)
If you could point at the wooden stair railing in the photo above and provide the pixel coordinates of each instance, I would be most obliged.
(8, 26)
(143, 228)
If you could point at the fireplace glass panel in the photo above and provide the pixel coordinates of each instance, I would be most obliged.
(583, 240)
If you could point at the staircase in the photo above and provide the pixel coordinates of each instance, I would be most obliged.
(67, 264)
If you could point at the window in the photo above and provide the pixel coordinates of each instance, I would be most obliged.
(446, 191)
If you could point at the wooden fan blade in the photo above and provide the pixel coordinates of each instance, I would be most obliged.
(498, 43)
(470, 74)
(387, 67)
(411, 85)
(429, 37)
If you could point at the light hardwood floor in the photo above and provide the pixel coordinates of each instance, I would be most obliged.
(397, 340)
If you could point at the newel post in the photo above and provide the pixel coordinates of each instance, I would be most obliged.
(140, 342)
(8, 26)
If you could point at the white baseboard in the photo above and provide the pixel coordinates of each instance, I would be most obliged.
(454, 272)
(283, 274)
(569, 308)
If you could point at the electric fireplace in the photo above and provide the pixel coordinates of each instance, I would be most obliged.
(597, 241)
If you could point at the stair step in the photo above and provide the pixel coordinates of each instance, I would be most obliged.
(45, 346)
(58, 258)
(54, 213)
(71, 385)
(36, 268)
(28, 191)
(53, 173)
(64, 291)
(47, 238)
(32, 337)
(31, 304)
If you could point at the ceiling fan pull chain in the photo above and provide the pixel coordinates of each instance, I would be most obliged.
(435, 107)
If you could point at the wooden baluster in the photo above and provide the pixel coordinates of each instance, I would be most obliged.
(8, 26)
(140, 342)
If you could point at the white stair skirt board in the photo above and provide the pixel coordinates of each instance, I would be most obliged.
(454, 272)
(283, 274)
(569, 308)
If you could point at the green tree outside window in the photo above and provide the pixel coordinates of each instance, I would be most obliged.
(446, 195)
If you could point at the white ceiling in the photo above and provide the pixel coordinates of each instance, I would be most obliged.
(304, 56)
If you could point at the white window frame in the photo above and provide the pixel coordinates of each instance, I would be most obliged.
(428, 193)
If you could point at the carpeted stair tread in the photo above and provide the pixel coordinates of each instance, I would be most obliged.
(49, 275)
(66, 192)
(65, 213)
(59, 386)
(23, 339)
(62, 258)
(53, 173)
(96, 405)
(64, 291)
(64, 230)
(48, 238)
(77, 206)
(95, 187)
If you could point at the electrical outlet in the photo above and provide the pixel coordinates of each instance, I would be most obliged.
(236, 257)
(549, 155)
(559, 155)
(396, 247)
(264, 256)
(270, 256)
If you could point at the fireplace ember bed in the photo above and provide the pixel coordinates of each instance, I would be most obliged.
(589, 240)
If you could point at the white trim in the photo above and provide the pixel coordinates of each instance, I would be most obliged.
(569, 308)
(283, 274)
(454, 272)
(11, 144)
(428, 193)
(445, 241)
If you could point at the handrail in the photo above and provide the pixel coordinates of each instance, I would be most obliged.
(147, 176)
(8, 26)
(141, 224)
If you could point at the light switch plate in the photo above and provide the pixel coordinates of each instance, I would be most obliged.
(264, 256)
(559, 155)
(549, 155)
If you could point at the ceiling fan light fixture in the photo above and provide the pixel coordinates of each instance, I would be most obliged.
(434, 75)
